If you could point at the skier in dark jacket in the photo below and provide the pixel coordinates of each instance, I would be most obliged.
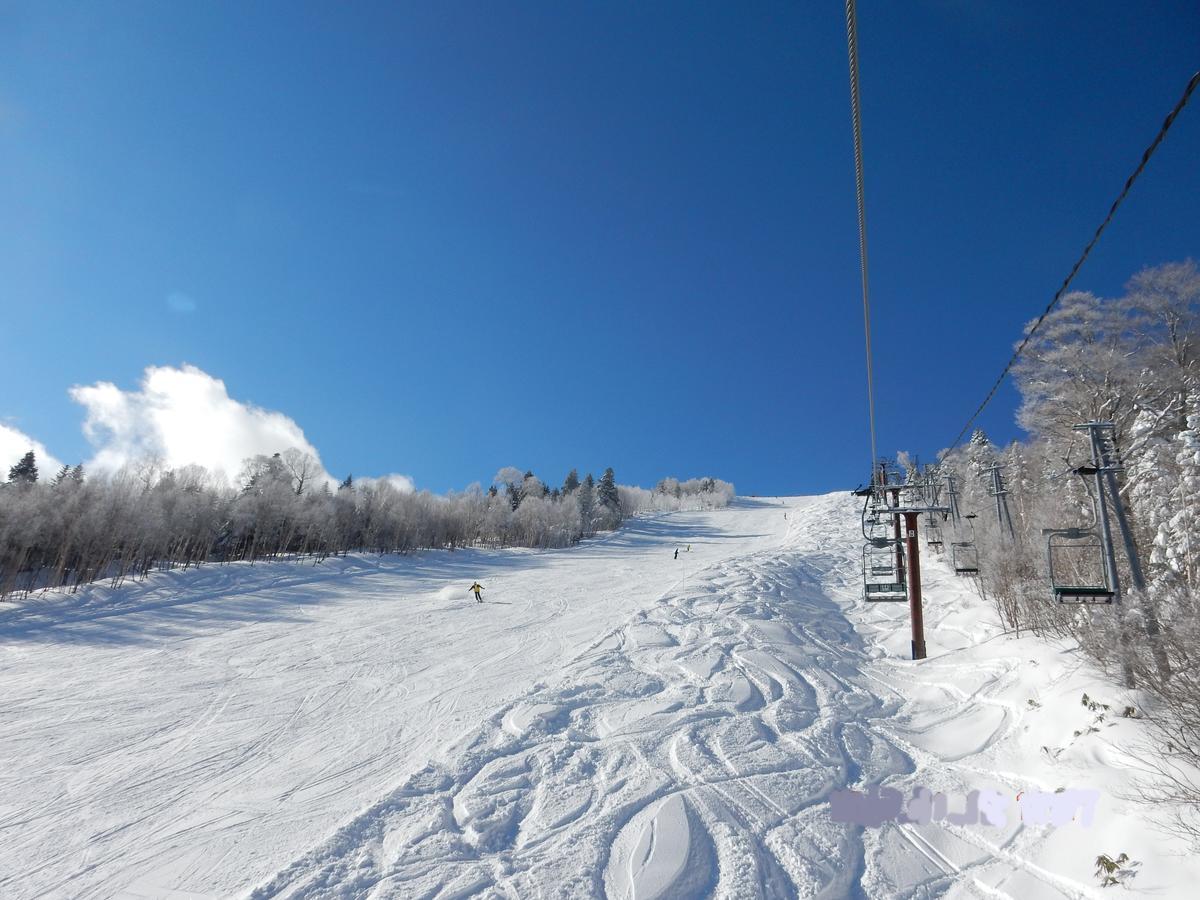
(677, 553)
(476, 588)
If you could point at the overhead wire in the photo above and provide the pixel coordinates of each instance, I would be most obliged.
(1158, 138)
(852, 47)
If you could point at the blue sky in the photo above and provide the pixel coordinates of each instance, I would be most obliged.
(449, 237)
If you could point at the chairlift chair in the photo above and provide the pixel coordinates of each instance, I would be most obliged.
(880, 531)
(882, 583)
(1077, 570)
(965, 556)
(876, 520)
(933, 533)
(933, 537)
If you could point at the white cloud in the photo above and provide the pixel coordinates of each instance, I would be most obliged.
(15, 444)
(183, 416)
(402, 483)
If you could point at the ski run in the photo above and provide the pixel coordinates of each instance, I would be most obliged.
(610, 722)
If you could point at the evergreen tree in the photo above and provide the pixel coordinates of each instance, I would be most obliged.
(24, 472)
(586, 498)
(606, 492)
(571, 485)
(606, 513)
(492, 492)
(348, 484)
(62, 476)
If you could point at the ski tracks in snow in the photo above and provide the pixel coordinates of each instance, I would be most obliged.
(203, 742)
(689, 752)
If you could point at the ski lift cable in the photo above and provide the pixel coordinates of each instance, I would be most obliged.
(852, 47)
(1158, 139)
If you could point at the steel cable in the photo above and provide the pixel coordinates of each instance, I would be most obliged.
(852, 47)
(1162, 133)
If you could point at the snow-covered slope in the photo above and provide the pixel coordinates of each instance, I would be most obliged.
(611, 722)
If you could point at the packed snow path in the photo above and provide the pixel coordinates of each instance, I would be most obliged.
(612, 722)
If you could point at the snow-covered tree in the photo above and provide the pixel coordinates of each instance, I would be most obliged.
(1177, 544)
(531, 486)
(980, 452)
(125, 523)
(301, 466)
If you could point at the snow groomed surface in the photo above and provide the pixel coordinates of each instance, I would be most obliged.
(612, 722)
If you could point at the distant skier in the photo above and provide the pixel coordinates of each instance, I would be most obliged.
(677, 553)
(476, 588)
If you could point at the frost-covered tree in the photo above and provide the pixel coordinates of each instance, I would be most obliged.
(124, 524)
(1085, 364)
(673, 494)
(980, 452)
(301, 466)
(531, 486)
(1166, 301)
(1133, 360)
(1155, 492)
(1177, 543)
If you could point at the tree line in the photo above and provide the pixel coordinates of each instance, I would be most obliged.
(1133, 360)
(73, 528)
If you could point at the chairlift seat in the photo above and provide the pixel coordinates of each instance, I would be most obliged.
(1076, 563)
(965, 558)
(886, 592)
(1067, 593)
(883, 582)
